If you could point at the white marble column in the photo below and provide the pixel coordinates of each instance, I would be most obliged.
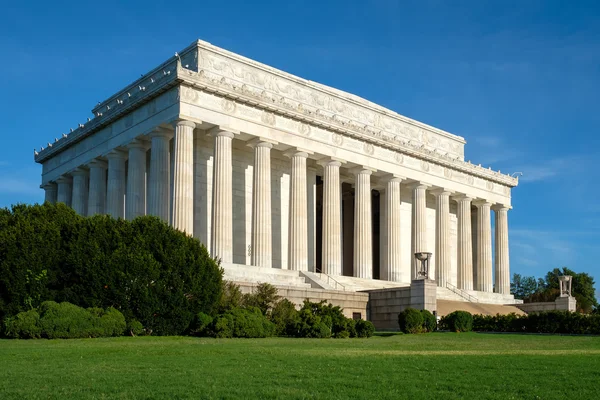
(115, 191)
(159, 186)
(50, 192)
(363, 230)
(392, 270)
(222, 217)
(80, 191)
(502, 259)
(419, 225)
(465, 242)
(183, 177)
(135, 201)
(97, 194)
(332, 224)
(261, 238)
(64, 190)
(298, 225)
(484, 247)
(311, 190)
(442, 237)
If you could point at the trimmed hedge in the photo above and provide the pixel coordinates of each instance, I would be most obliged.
(144, 268)
(458, 321)
(541, 322)
(429, 321)
(65, 321)
(411, 321)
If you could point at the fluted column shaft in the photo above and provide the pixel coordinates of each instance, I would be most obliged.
(50, 192)
(442, 238)
(64, 190)
(311, 188)
(484, 247)
(298, 225)
(80, 191)
(183, 177)
(465, 243)
(419, 225)
(261, 240)
(222, 218)
(97, 196)
(115, 191)
(502, 257)
(332, 224)
(363, 231)
(135, 202)
(392, 270)
(159, 186)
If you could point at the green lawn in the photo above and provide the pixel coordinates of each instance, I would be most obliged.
(443, 365)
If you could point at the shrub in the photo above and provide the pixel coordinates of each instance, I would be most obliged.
(135, 327)
(25, 325)
(364, 329)
(65, 321)
(410, 321)
(201, 324)
(429, 321)
(458, 321)
(264, 297)
(144, 268)
(285, 317)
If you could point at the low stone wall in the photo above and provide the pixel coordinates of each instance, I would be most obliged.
(352, 303)
(560, 304)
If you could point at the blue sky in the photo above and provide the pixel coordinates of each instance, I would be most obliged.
(520, 80)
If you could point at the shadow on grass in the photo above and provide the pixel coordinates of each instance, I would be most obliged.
(387, 333)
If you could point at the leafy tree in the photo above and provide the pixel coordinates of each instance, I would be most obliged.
(264, 297)
(523, 286)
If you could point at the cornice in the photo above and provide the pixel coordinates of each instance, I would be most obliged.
(243, 94)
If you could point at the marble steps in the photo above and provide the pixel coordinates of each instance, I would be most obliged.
(274, 276)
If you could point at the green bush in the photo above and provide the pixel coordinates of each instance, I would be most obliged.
(65, 321)
(410, 320)
(135, 327)
(25, 325)
(458, 321)
(144, 268)
(429, 321)
(264, 297)
(364, 329)
(240, 323)
(285, 317)
(539, 322)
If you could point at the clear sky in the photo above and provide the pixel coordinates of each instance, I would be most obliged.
(519, 80)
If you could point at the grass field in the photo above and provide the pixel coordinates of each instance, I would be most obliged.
(442, 365)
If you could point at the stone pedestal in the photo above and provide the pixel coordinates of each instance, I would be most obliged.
(183, 177)
(423, 294)
(567, 303)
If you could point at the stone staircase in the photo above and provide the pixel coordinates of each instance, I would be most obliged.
(274, 276)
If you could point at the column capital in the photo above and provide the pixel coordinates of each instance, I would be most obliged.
(261, 142)
(116, 154)
(297, 152)
(161, 132)
(48, 186)
(461, 197)
(419, 185)
(64, 179)
(184, 122)
(442, 192)
(501, 207)
(336, 162)
(221, 130)
(480, 203)
(97, 163)
(362, 170)
(393, 178)
(80, 171)
(138, 143)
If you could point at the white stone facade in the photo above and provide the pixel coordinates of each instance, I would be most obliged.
(271, 170)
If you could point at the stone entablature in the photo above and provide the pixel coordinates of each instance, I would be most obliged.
(245, 81)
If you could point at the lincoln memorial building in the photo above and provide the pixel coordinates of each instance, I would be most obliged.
(288, 181)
